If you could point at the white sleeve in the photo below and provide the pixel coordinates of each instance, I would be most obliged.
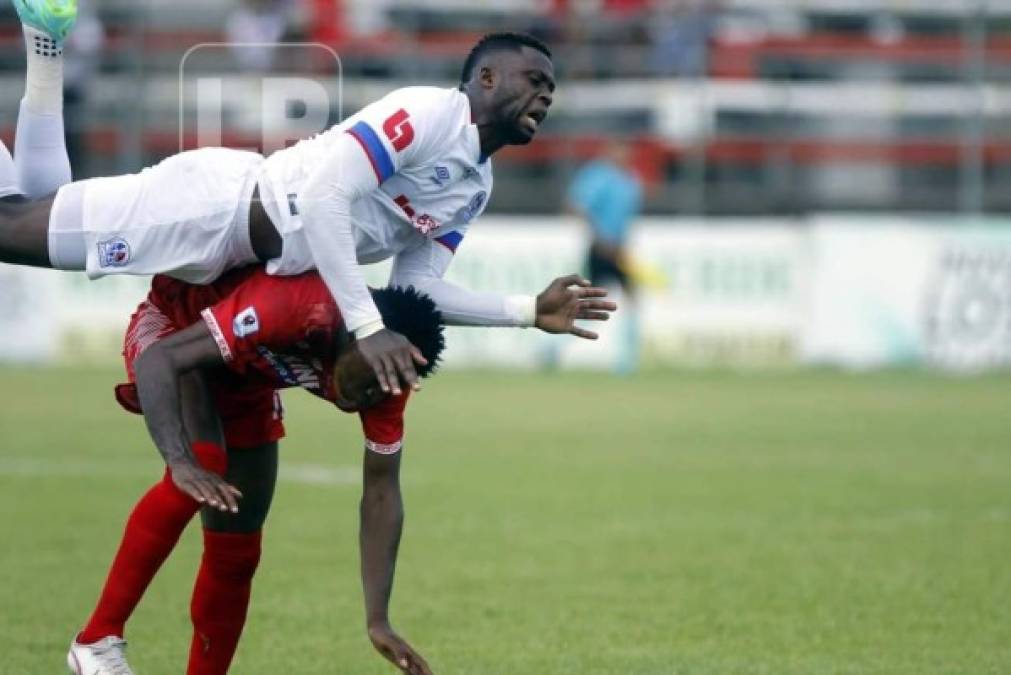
(325, 204)
(423, 268)
(405, 127)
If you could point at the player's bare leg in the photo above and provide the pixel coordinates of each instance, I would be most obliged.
(24, 231)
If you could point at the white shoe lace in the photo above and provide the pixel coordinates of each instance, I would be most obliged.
(111, 654)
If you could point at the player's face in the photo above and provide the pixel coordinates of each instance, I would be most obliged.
(524, 94)
(357, 387)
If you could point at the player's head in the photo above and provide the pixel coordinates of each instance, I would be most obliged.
(405, 311)
(510, 80)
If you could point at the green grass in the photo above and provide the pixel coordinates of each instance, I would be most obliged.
(689, 523)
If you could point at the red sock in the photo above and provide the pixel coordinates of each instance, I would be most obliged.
(221, 598)
(152, 531)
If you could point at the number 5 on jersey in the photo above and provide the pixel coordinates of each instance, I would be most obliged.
(399, 130)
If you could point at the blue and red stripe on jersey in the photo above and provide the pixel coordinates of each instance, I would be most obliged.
(374, 148)
(450, 240)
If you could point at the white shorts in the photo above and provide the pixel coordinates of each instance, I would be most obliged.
(186, 217)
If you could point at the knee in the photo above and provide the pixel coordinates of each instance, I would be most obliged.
(232, 556)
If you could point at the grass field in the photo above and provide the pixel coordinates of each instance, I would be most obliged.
(688, 523)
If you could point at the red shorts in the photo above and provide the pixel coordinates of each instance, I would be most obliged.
(250, 413)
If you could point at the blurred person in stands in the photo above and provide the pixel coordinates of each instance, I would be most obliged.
(39, 165)
(680, 31)
(84, 46)
(605, 31)
(263, 23)
(607, 193)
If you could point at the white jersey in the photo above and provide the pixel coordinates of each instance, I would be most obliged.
(426, 155)
(404, 177)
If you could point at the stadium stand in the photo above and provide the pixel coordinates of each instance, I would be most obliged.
(737, 106)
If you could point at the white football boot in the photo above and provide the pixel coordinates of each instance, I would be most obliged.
(105, 657)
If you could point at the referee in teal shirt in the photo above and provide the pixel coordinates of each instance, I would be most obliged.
(608, 195)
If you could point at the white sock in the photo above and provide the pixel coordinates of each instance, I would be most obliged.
(44, 81)
(40, 153)
(8, 173)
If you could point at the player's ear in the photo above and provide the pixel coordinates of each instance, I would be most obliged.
(487, 77)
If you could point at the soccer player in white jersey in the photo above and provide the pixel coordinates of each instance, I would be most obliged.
(402, 178)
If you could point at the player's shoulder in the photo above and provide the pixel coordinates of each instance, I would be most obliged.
(446, 105)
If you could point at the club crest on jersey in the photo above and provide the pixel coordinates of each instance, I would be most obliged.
(469, 212)
(113, 252)
(441, 175)
(246, 323)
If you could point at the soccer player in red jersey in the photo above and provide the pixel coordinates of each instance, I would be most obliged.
(204, 363)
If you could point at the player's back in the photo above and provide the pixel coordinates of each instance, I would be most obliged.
(182, 302)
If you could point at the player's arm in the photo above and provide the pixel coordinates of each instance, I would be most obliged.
(159, 371)
(326, 216)
(556, 310)
(382, 521)
(385, 139)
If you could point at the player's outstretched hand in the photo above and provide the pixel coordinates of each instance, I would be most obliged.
(392, 357)
(568, 299)
(396, 650)
(205, 487)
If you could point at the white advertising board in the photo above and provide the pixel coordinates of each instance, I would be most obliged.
(915, 291)
(851, 291)
(731, 293)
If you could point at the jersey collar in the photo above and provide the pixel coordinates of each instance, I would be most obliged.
(473, 134)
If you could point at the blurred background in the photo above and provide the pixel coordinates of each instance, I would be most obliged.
(778, 192)
(765, 182)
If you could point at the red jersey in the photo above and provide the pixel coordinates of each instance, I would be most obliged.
(276, 331)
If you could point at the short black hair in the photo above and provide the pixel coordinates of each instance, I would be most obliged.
(493, 42)
(413, 315)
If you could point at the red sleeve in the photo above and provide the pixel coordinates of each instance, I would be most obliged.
(267, 311)
(383, 425)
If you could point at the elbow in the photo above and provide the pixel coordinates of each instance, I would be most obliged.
(421, 282)
(321, 193)
(151, 361)
(156, 363)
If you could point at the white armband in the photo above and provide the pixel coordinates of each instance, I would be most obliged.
(383, 448)
(368, 329)
(522, 309)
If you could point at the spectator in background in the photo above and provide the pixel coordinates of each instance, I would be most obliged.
(607, 193)
(680, 31)
(83, 47)
(607, 38)
(258, 22)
